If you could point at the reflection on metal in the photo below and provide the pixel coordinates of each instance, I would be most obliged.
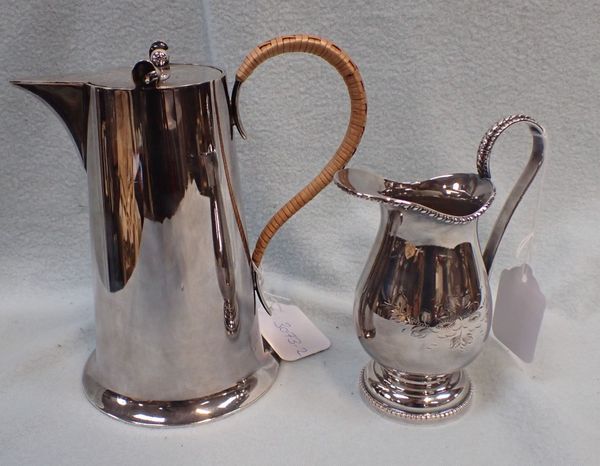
(431, 398)
(423, 305)
(174, 293)
(177, 412)
(221, 242)
(174, 278)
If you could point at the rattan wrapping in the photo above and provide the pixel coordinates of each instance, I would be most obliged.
(356, 126)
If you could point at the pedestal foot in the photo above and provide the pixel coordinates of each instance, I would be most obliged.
(412, 397)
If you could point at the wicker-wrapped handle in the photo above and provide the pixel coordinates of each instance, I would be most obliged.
(358, 117)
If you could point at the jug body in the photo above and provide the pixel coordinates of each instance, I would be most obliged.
(174, 295)
(423, 303)
(423, 306)
(177, 337)
(176, 327)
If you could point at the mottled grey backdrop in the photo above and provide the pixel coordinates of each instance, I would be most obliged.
(437, 75)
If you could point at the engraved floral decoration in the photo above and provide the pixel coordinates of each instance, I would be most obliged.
(459, 320)
(458, 330)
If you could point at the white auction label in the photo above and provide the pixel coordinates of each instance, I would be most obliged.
(291, 334)
(519, 311)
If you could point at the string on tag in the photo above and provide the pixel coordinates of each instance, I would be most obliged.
(525, 245)
(277, 298)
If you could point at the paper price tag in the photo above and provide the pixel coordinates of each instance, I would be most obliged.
(289, 332)
(519, 311)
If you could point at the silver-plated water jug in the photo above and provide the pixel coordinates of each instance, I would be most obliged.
(423, 304)
(177, 337)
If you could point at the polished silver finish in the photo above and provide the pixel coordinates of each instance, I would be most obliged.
(423, 305)
(235, 109)
(159, 57)
(158, 54)
(176, 329)
(412, 397)
(70, 100)
(145, 74)
(178, 412)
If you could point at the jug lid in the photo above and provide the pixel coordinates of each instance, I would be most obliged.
(156, 72)
(180, 75)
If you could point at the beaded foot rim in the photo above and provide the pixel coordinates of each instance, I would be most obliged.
(405, 416)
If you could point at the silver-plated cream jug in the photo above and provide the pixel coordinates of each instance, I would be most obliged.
(177, 337)
(423, 304)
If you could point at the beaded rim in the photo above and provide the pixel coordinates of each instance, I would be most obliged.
(489, 139)
(396, 413)
(420, 209)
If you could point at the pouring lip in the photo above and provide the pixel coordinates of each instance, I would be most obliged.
(378, 189)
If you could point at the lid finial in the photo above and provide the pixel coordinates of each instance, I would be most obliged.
(149, 73)
(158, 54)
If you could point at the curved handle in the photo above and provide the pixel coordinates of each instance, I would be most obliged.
(533, 165)
(358, 117)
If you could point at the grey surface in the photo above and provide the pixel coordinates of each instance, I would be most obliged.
(438, 74)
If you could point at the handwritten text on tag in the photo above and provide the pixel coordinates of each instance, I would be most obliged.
(291, 334)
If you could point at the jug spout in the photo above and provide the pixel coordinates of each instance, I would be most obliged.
(455, 199)
(70, 101)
